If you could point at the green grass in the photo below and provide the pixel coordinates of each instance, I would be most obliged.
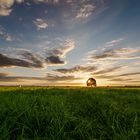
(69, 114)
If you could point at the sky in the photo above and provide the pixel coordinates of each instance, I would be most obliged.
(65, 42)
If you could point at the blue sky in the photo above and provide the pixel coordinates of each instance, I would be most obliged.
(64, 42)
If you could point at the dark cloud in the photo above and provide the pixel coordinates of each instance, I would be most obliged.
(30, 62)
(54, 60)
(24, 58)
(55, 55)
(36, 60)
(77, 69)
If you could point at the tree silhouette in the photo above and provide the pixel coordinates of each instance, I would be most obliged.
(91, 82)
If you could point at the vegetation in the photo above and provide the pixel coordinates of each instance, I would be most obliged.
(69, 114)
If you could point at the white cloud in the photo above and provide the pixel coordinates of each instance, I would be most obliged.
(85, 11)
(40, 23)
(5, 12)
(47, 1)
(6, 6)
(114, 42)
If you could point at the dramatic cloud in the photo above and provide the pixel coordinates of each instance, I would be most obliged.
(77, 69)
(54, 55)
(41, 24)
(25, 58)
(122, 53)
(54, 60)
(30, 61)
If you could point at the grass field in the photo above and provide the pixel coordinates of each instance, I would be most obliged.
(69, 114)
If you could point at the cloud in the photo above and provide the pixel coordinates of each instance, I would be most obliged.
(114, 42)
(54, 55)
(109, 70)
(57, 78)
(77, 69)
(47, 1)
(24, 58)
(130, 74)
(36, 60)
(122, 53)
(40, 23)
(4, 35)
(85, 11)
(54, 60)
(6, 6)
(121, 79)
(2, 75)
(117, 76)
(5, 12)
(29, 61)
(5, 77)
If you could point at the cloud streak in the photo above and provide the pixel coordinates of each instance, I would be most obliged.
(109, 70)
(32, 62)
(77, 69)
(114, 42)
(122, 53)
(5, 77)
(28, 59)
(57, 78)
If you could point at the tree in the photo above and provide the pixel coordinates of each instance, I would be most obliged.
(91, 82)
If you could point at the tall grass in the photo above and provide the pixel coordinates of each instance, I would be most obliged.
(69, 114)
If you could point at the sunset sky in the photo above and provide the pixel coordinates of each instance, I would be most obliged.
(65, 42)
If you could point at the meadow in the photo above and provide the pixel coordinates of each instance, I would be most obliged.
(33, 113)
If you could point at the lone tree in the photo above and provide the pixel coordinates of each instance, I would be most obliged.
(91, 82)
